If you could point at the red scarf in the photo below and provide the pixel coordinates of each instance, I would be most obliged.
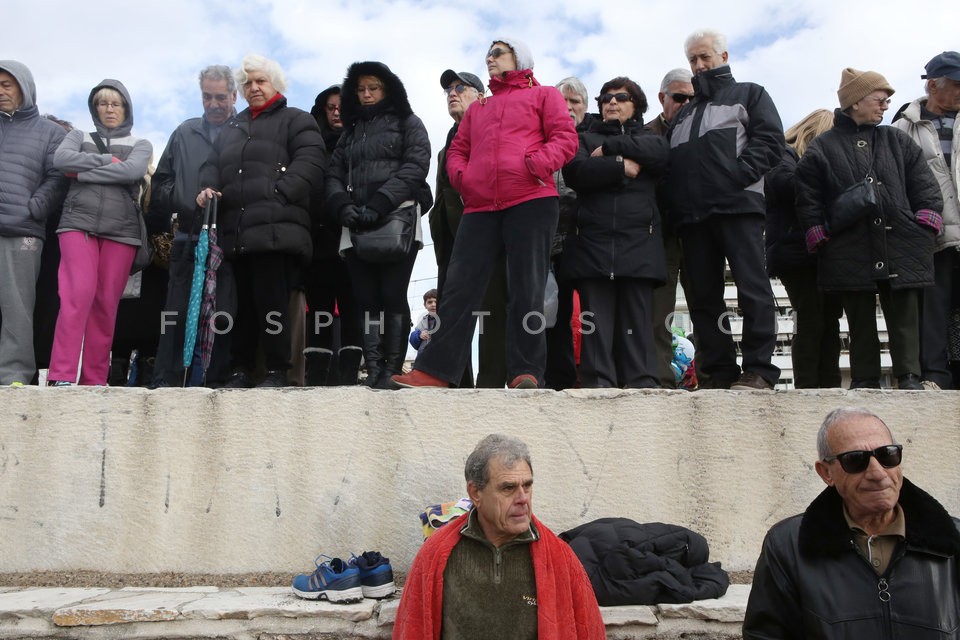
(255, 111)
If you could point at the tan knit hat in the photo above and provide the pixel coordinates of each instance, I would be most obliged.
(857, 85)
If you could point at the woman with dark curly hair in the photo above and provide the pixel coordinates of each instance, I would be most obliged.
(617, 256)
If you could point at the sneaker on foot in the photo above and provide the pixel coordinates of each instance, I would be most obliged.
(238, 380)
(930, 385)
(273, 379)
(334, 580)
(750, 381)
(59, 383)
(524, 381)
(865, 383)
(376, 574)
(416, 378)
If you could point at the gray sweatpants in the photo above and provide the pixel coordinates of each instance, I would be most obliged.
(20, 266)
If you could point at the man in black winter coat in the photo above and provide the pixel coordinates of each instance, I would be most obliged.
(873, 556)
(721, 145)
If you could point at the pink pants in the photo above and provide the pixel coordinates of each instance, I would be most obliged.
(93, 272)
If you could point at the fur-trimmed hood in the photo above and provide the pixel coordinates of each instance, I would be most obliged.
(824, 530)
(396, 94)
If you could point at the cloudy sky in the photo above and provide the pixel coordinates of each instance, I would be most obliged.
(795, 49)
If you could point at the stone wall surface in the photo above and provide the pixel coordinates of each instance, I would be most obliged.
(195, 480)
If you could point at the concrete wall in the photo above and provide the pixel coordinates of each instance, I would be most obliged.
(128, 480)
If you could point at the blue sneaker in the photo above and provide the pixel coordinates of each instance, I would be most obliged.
(334, 580)
(376, 574)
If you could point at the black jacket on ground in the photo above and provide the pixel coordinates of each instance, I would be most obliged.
(784, 237)
(383, 155)
(812, 583)
(266, 167)
(722, 143)
(618, 228)
(632, 563)
(890, 245)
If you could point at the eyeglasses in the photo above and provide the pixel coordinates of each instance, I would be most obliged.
(879, 101)
(496, 52)
(680, 98)
(371, 89)
(888, 456)
(460, 88)
(110, 105)
(621, 97)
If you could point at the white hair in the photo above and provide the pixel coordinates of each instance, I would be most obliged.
(719, 40)
(217, 72)
(837, 416)
(575, 85)
(255, 62)
(675, 75)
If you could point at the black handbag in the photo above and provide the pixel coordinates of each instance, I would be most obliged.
(145, 251)
(854, 203)
(393, 237)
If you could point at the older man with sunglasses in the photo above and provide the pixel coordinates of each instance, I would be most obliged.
(873, 556)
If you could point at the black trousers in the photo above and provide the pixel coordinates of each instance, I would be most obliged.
(815, 348)
(664, 306)
(264, 282)
(935, 303)
(523, 233)
(738, 240)
(329, 287)
(561, 370)
(618, 349)
(901, 310)
(381, 287)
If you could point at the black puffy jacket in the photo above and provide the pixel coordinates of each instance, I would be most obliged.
(383, 157)
(811, 583)
(618, 229)
(265, 167)
(890, 245)
(651, 563)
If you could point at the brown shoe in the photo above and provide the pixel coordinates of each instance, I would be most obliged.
(524, 381)
(751, 382)
(416, 378)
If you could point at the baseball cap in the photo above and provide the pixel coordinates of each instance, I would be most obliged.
(450, 75)
(944, 65)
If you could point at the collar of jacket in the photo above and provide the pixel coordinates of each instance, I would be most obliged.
(22, 114)
(824, 531)
(614, 126)
(843, 121)
(519, 79)
(247, 114)
(707, 83)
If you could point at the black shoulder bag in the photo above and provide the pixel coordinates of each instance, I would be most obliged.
(855, 202)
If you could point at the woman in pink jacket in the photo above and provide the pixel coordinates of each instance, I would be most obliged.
(502, 162)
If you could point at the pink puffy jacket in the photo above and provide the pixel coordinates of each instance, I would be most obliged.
(509, 145)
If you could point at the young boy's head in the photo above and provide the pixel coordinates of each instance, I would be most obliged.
(430, 300)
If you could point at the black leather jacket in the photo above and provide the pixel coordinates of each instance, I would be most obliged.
(811, 583)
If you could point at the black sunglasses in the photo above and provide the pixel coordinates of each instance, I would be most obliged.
(608, 97)
(680, 98)
(888, 456)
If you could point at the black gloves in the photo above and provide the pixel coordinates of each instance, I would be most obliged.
(354, 217)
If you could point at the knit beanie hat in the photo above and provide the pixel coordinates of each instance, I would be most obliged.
(520, 50)
(856, 85)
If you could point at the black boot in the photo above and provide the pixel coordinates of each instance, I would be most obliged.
(394, 348)
(317, 366)
(372, 354)
(348, 365)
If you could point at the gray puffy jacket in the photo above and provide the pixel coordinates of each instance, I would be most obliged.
(101, 197)
(30, 187)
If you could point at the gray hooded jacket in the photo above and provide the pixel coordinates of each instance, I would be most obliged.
(101, 197)
(30, 186)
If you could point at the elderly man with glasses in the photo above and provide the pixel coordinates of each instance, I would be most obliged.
(873, 556)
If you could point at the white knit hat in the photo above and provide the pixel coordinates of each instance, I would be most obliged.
(520, 51)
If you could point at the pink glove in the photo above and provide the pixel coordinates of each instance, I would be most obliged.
(816, 236)
(115, 160)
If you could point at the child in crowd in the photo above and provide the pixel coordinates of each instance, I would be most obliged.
(427, 324)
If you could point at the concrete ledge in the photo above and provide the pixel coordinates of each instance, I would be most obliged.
(199, 481)
(274, 613)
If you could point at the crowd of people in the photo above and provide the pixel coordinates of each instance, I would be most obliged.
(607, 210)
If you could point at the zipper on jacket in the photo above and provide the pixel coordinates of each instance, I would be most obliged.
(497, 566)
